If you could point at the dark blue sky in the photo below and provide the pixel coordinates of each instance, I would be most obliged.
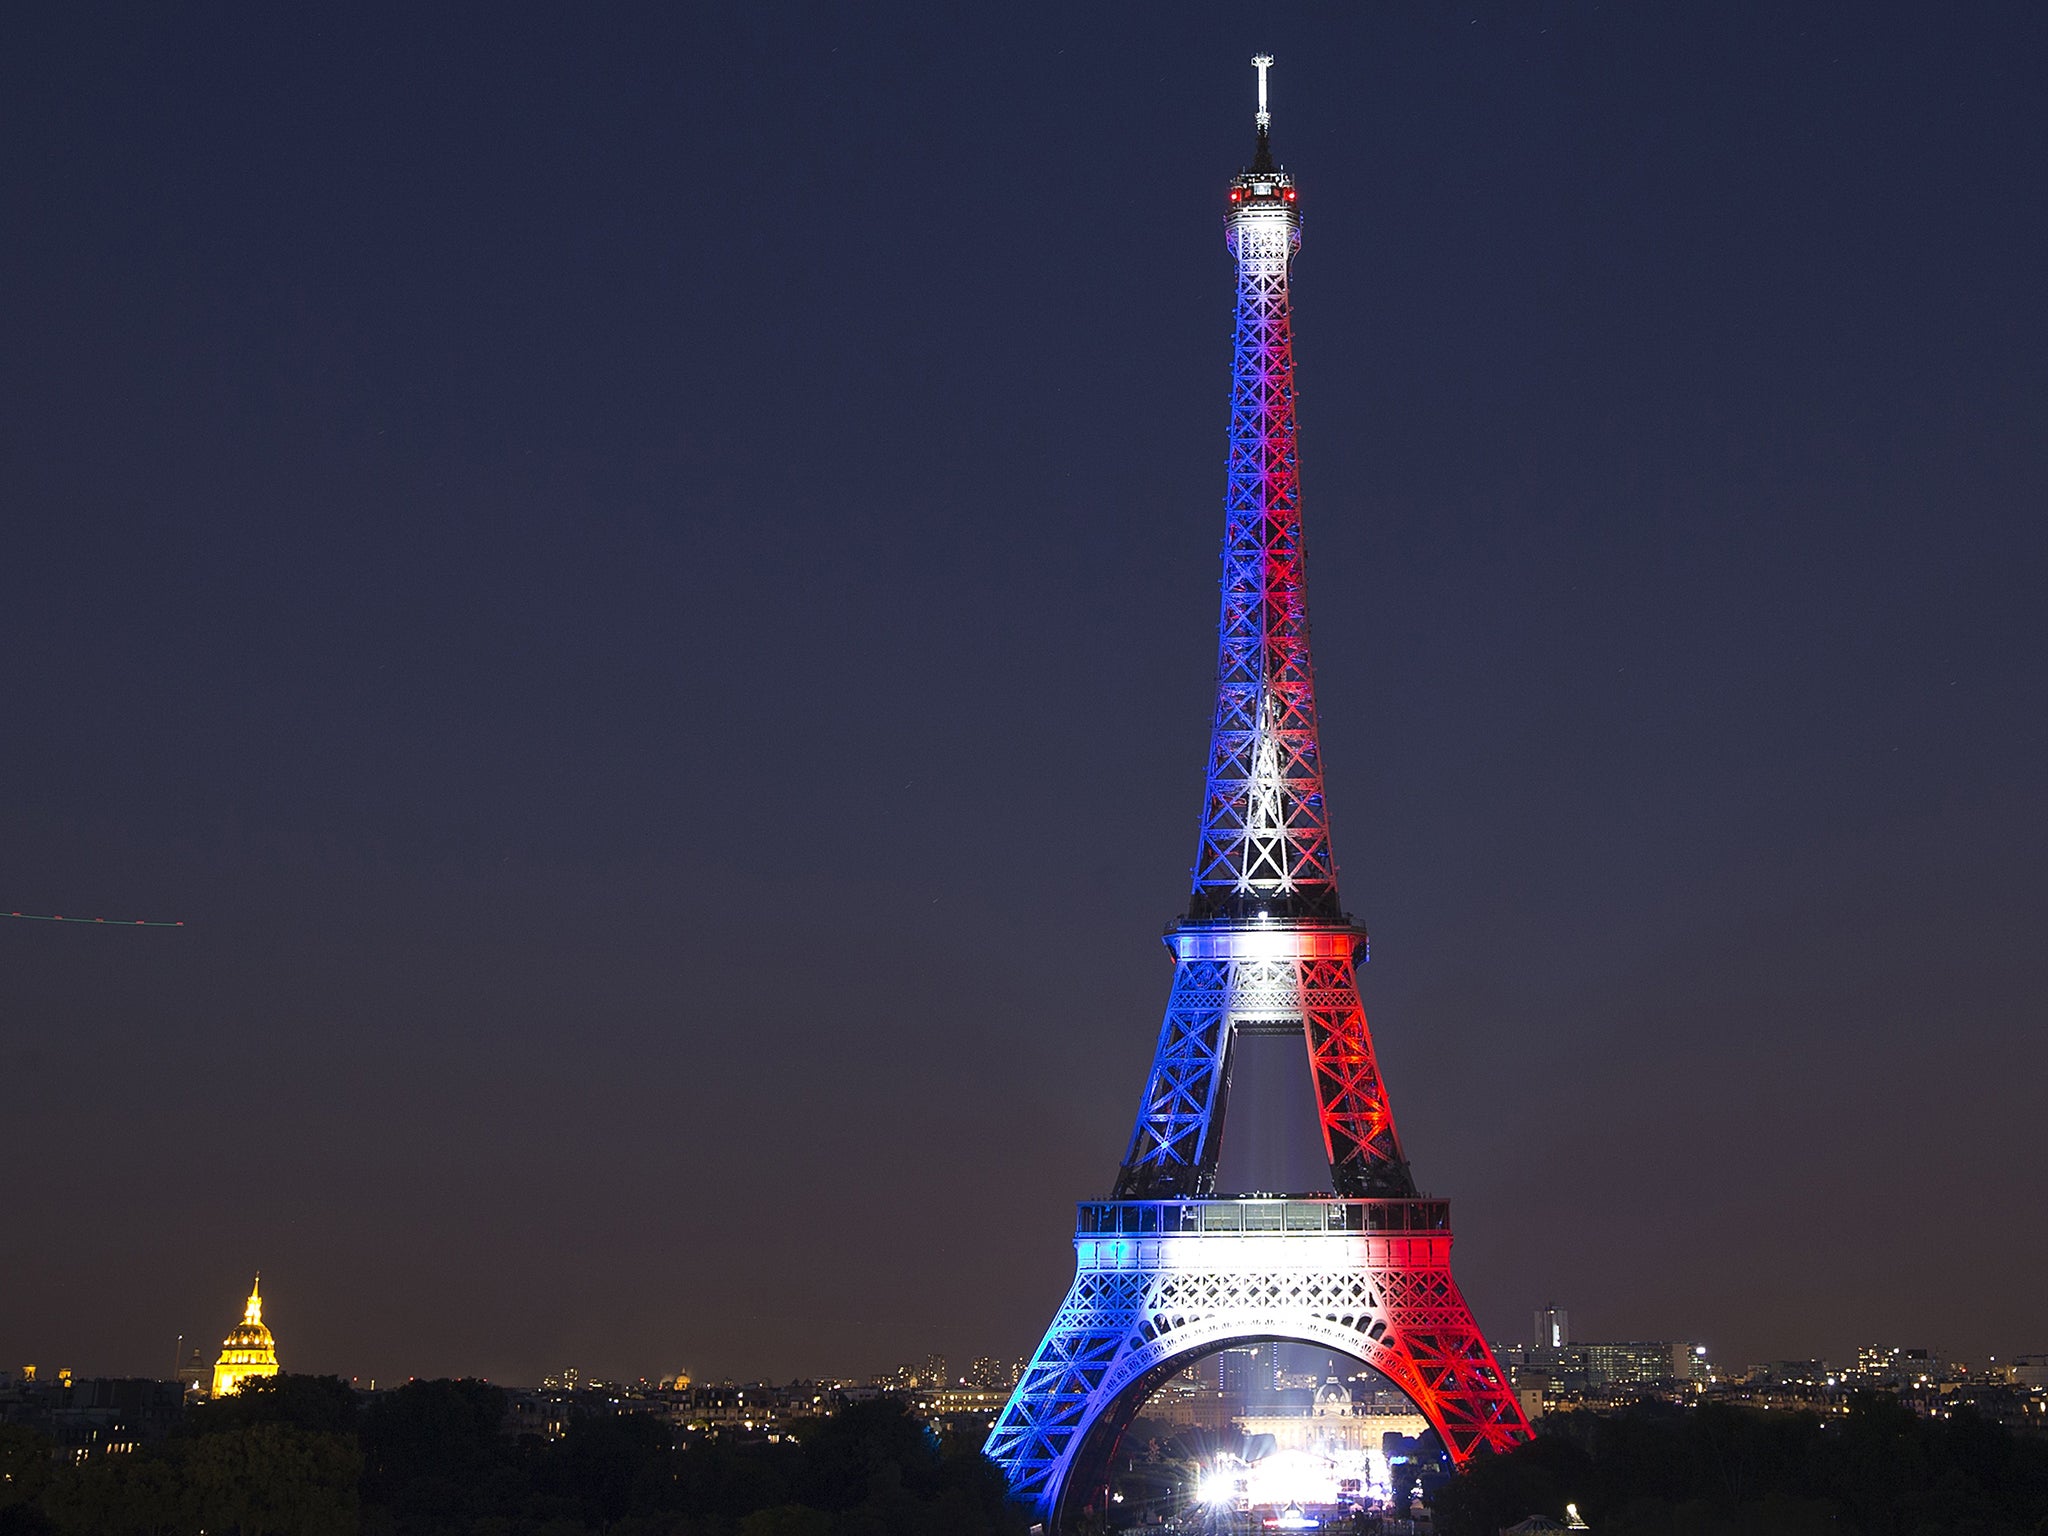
(645, 582)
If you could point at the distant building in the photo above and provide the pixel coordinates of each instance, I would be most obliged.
(927, 1377)
(249, 1351)
(966, 1411)
(543, 1415)
(1335, 1425)
(1243, 1374)
(2031, 1371)
(1609, 1368)
(93, 1416)
(760, 1407)
(1553, 1328)
(1209, 1394)
(1634, 1364)
(1175, 1402)
(986, 1374)
(1893, 1366)
(195, 1373)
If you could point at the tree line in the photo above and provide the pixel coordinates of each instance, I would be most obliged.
(1722, 1470)
(309, 1456)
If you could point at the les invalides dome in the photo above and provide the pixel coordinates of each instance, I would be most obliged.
(249, 1350)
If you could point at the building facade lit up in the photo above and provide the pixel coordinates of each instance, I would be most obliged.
(249, 1351)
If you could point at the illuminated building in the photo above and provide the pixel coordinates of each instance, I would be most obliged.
(1635, 1364)
(1612, 1370)
(959, 1410)
(195, 1373)
(1334, 1428)
(1170, 1269)
(1553, 1328)
(1896, 1367)
(247, 1352)
(1245, 1376)
(759, 1407)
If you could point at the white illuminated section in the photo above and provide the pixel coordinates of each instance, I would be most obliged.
(1291, 1481)
(1262, 942)
(1263, 62)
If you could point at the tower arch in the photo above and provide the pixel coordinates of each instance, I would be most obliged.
(1160, 1283)
(1086, 1485)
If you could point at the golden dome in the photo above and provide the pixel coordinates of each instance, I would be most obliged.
(248, 1350)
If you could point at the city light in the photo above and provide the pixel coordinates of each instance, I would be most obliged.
(1289, 1481)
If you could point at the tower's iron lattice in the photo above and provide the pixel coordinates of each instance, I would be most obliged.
(1168, 1271)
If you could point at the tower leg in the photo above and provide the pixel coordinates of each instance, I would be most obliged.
(1180, 1122)
(1358, 1123)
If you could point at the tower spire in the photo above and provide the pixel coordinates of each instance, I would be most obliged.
(1262, 159)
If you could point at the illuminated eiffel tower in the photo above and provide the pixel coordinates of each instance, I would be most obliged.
(1167, 1270)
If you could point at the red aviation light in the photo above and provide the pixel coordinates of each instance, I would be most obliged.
(1288, 194)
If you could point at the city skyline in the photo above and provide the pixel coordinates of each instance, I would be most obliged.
(197, 1351)
(622, 620)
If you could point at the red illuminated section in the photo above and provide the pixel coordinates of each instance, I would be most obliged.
(1358, 1122)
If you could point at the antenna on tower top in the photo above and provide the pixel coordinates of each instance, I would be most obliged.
(1263, 159)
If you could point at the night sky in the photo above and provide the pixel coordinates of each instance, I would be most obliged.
(644, 583)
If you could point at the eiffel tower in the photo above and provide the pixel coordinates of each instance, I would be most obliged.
(1168, 1270)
